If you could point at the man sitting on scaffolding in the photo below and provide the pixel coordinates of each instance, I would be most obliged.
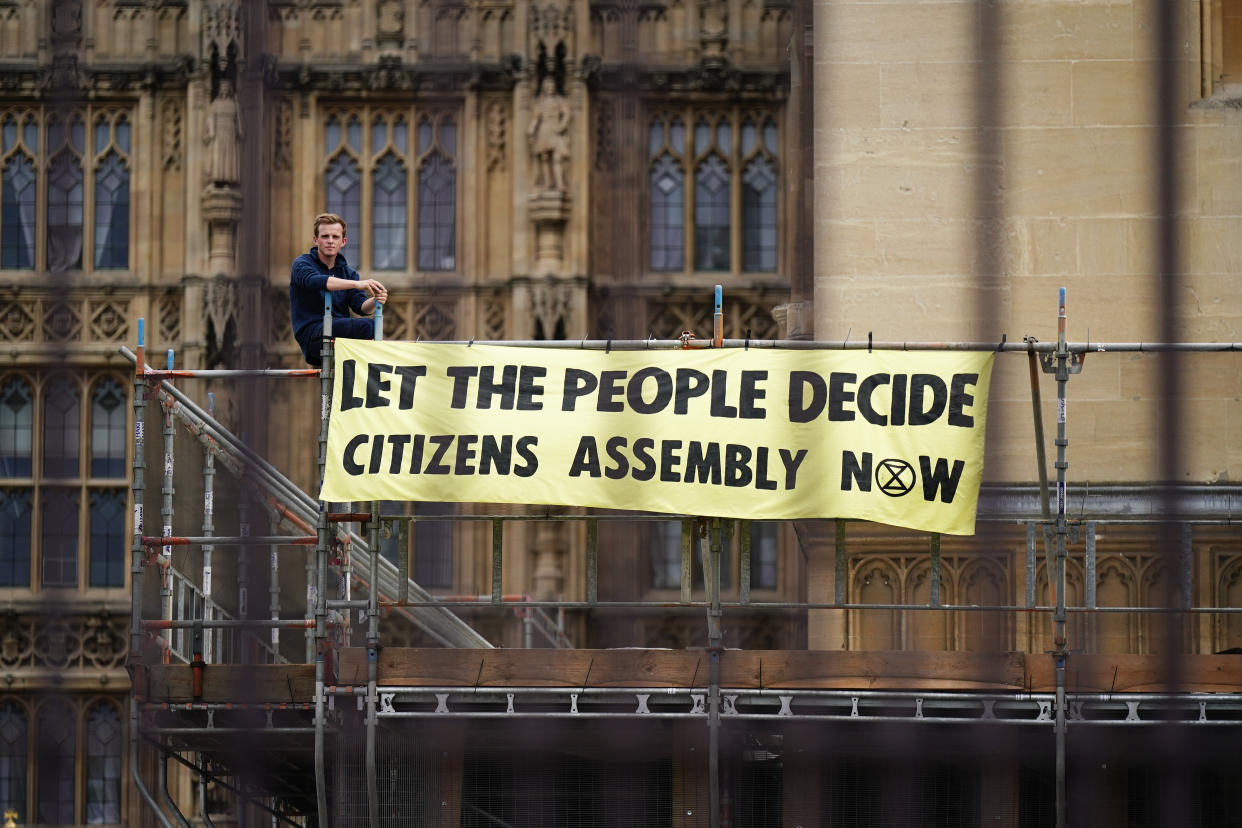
(324, 268)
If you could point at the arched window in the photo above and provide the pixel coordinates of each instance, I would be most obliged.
(437, 196)
(17, 213)
(59, 515)
(56, 748)
(729, 218)
(108, 429)
(388, 214)
(65, 199)
(16, 427)
(61, 428)
(103, 765)
(13, 759)
(343, 182)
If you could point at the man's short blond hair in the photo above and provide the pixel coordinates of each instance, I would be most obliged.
(329, 218)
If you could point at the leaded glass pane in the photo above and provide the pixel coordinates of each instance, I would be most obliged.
(711, 215)
(433, 546)
(64, 213)
(59, 539)
(30, 134)
(389, 214)
(437, 214)
(750, 136)
(61, 424)
(448, 137)
(15, 537)
(108, 429)
(353, 134)
(55, 753)
(769, 136)
(677, 136)
(16, 428)
(667, 215)
(344, 190)
(424, 135)
(112, 213)
(102, 133)
(702, 137)
(10, 133)
(759, 216)
(724, 137)
(655, 137)
(17, 213)
(55, 133)
(332, 134)
(122, 134)
(103, 765)
(401, 136)
(665, 552)
(77, 134)
(107, 553)
(13, 759)
(379, 135)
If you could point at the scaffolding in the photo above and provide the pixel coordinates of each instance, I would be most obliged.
(195, 629)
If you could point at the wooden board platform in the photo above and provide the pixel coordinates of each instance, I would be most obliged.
(741, 669)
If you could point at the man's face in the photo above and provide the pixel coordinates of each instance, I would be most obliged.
(330, 239)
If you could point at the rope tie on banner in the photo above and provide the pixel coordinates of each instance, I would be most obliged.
(1001, 344)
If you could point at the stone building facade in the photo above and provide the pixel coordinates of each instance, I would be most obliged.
(568, 169)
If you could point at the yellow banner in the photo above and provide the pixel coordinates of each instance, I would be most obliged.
(893, 437)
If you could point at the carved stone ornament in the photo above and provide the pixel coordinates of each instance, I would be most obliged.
(17, 321)
(61, 322)
(109, 320)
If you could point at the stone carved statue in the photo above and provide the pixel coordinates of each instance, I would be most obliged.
(223, 136)
(548, 134)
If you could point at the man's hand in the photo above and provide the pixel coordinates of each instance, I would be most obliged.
(374, 289)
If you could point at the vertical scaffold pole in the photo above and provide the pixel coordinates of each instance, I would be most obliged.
(715, 640)
(166, 513)
(1059, 617)
(137, 490)
(372, 657)
(718, 320)
(243, 572)
(321, 565)
(373, 630)
(209, 529)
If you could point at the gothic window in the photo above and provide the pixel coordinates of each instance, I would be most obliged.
(668, 199)
(103, 765)
(14, 537)
(108, 429)
(61, 423)
(758, 197)
(727, 221)
(13, 730)
(65, 186)
(107, 567)
(65, 191)
(112, 138)
(60, 517)
(437, 188)
(343, 179)
(391, 186)
(19, 146)
(57, 747)
(16, 426)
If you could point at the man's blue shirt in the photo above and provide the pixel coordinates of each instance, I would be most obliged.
(308, 279)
